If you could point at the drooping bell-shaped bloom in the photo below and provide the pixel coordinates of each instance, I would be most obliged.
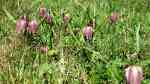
(43, 12)
(66, 18)
(44, 49)
(21, 24)
(45, 15)
(48, 19)
(134, 74)
(114, 17)
(88, 32)
(32, 26)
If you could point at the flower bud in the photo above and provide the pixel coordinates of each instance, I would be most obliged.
(32, 26)
(134, 74)
(87, 32)
(21, 24)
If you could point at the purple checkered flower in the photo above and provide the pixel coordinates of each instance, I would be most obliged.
(32, 26)
(87, 32)
(43, 12)
(134, 74)
(66, 18)
(113, 17)
(21, 24)
(48, 19)
(44, 49)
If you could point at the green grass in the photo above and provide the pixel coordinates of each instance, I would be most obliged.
(70, 59)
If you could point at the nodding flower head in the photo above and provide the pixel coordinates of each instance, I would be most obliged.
(21, 24)
(48, 19)
(44, 49)
(113, 17)
(32, 26)
(45, 15)
(43, 12)
(66, 18)
(134, 74)
(88, 32)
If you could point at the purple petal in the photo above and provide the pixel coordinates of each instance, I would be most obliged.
(87, 32)
(113, 17)
(43, 12)
(21, 25)
(44, 49)
(134, 75)
(48, 19)
(32, 27)
(66, 19)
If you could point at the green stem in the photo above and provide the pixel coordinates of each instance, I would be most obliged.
(138, 39)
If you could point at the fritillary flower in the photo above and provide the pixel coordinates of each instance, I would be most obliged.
(66, 18)
(48, 19)
(88, 32)
(134, 74)
(32, 26)
(21, 24)
(44, 49)
(114, 17)
(43, 12)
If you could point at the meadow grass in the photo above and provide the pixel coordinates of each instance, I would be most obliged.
(70, 59)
